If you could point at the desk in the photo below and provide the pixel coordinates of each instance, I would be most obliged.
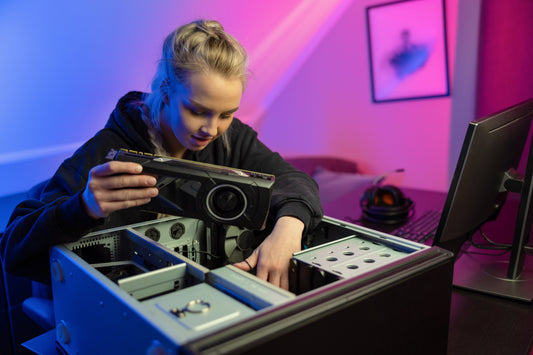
(479, 324)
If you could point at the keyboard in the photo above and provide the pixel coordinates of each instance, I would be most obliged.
(420, 229)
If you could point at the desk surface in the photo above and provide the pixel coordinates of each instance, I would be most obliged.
(479, 323)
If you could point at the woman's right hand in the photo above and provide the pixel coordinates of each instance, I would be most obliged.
(117, 185)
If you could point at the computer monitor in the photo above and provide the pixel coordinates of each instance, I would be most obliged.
(486, 173)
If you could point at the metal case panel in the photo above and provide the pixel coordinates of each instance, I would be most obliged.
(118, 291)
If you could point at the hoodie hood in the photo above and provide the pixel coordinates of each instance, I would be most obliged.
(126, 121)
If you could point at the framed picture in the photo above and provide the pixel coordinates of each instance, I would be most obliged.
(408, 50)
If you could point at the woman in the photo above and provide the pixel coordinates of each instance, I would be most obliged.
(189, 114)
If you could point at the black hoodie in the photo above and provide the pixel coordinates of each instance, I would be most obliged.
(55, 213)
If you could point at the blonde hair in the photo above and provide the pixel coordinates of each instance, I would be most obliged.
(198, 47)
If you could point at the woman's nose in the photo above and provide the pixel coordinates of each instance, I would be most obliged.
(210, 126)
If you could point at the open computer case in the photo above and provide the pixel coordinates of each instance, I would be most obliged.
(119, 291)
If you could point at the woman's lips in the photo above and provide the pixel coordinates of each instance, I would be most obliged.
(201, 141)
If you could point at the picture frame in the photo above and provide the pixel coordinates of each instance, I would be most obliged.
(407, 49)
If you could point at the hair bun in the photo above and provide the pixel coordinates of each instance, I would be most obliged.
(210, 27)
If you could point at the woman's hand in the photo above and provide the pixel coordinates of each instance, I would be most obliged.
(117, 185)
(272, 257)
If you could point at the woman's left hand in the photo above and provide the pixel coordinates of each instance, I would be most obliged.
(272, 257)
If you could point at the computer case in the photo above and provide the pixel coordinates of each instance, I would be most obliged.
(352, 290)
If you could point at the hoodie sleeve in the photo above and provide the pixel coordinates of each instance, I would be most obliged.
(39, 223)
(294, 193)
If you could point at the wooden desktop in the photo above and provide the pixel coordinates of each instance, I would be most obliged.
(479, 323)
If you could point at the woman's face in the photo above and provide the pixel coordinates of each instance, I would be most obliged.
(200, 112)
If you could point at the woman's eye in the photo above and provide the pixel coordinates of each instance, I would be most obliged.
(195, 112)
(226, 115)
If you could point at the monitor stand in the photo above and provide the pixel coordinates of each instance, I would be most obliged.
(508, 275)
(488, 274)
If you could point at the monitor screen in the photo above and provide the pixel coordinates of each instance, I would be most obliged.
(485, 174)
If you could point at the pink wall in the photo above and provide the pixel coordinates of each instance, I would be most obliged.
(327, 109)
(505, 70)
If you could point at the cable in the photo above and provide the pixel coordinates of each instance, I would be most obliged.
(207, 253)
(467, 250)
(495, 244)
(491, 244)
(196, 236)
(380, 178)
